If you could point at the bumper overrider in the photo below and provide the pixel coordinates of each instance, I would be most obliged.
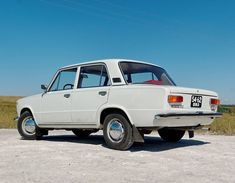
(185, 119)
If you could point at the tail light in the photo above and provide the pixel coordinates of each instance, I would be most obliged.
(175, 99)
(215, 101)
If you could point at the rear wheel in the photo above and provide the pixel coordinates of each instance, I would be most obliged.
(117, 132)
(171, 135)
(27, 127)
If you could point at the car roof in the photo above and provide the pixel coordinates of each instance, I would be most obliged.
(108, 61)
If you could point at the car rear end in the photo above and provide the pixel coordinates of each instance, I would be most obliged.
(160, 98)
(188, 107)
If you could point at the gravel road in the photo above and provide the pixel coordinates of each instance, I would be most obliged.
(62, 157)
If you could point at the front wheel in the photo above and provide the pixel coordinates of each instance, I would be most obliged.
(117, 132)
(171, 135)
(27, 127)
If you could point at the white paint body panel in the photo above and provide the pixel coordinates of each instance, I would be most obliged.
(85, 103)
(54, 108)
(141, 103)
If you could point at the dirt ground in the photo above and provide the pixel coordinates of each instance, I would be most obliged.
(62, 157)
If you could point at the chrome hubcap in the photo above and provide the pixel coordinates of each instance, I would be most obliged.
(29, 126)
(115, 130)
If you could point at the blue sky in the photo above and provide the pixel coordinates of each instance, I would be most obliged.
(194, 40)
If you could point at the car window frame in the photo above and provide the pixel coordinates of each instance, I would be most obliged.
(123, 75)
(57, 74)
(89, 65)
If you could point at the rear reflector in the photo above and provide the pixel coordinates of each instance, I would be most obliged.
(175, 99)
(215, 101)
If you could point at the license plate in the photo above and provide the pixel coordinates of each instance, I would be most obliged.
(196, 101)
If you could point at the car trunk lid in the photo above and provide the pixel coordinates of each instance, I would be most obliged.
(194, 99)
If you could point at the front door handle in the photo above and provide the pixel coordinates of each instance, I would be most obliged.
(102, 93)
(66, 95)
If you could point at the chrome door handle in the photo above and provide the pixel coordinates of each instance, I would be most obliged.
(66, 95)
(102, 93)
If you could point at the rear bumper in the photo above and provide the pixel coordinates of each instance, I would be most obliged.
(185, 119)
(210, 115)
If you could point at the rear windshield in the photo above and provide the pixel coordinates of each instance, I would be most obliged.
(138, 73)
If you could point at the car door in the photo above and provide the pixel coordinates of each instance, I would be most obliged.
(91, 93)
(56, 102)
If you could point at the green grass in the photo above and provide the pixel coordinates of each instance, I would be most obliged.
(8, 111)
(222, 126)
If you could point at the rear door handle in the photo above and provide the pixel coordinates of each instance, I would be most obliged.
(66, 95)
(102, 93)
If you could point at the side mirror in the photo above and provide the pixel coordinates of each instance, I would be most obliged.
(44, 87)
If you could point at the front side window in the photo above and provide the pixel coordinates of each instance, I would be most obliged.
(138, 73)
(93, 76)
(64, 80)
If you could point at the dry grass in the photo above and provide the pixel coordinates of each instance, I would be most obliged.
(8, 111)
(222, 126)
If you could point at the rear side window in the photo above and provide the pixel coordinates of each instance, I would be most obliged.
(93, 76)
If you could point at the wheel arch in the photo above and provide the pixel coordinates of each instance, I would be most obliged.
(114, 109)
(28, 109)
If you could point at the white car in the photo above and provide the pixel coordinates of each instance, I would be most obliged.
(124, 98)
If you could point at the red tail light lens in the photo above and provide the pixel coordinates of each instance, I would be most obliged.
(215, 101)
(175, 99)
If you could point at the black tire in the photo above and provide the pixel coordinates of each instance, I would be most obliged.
(36, 135)
(126, 140)
(82, 133)
(171, 135)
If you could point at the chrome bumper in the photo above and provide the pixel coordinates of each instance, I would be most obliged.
(185, 119)
(210, 115)
(16, 118)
